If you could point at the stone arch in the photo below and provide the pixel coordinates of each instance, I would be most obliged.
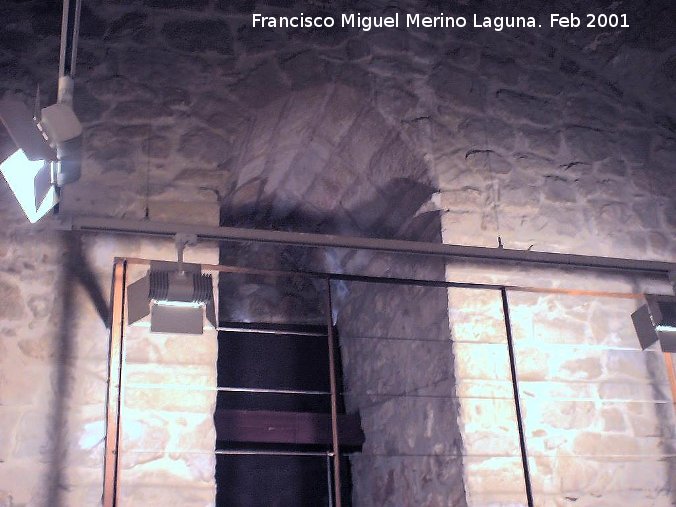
(322, 159)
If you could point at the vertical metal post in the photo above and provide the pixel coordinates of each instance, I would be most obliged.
(517, 403)
(328, 479)
(334, 402)
(63, 53)
(111, 460)
(671, 373)
(70, 30)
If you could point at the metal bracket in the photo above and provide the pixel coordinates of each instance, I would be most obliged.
(182, 240)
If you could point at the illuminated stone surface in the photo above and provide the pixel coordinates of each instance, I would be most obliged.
(568, 135)
(583, 386)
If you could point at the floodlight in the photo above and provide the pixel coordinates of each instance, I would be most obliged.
(60, 123)
(49, 141)
(22, 127)
(31, 183)
(36, 170)
(656, 321)
(177, 296)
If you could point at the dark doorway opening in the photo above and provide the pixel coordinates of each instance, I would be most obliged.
(273, 417)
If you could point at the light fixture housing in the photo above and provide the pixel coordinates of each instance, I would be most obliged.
(177, 300)
(656, 321)
(48, 154)
(31, 183)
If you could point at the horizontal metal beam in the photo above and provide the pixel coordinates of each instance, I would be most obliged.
(257, 452)
(211, 233)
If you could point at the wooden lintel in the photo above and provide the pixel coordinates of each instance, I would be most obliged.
(273, 427)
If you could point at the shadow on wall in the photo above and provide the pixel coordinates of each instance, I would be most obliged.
(368, 309)
(76, 270)
(662, 413)
(259, 299)
(383, 212)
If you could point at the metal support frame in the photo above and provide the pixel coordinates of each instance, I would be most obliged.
(111, 483)
(258, 452)
(113, 410)
(671, 373)
(334, 400)
(517, 401)
(70, 32)
(116, 361)
(212, 233)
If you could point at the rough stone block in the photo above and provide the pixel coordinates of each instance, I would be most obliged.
(589, 144)
(542, 141)
(481, 361)
(260, 86)
(495, 475)
(255, 40)
(500, 68)
(488, 133)
(203, 145)
(586, 477)
(357, 48)
(9, 422)
(559, 190)
(470, 228)
(173, 349)
(236, 6)
(151, 494)
(488, 162)
(613, 419)
(542, 82)
(10, 293)
(395, 102)
(407, 480)
(493, 417)
(162, 374)
(199, 35)
(33, 438)
(519, 194)
(519, 106)
(23, 483)
(457, 86)
(590, 112)
(484, 389)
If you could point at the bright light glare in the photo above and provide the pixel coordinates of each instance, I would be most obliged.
(20, 174)
(178, 304)
(665, 329)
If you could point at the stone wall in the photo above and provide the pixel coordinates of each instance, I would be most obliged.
(167, 434)
(53, 390)
(553, 140)
(597, 412)
(554, 155)
(398, 372)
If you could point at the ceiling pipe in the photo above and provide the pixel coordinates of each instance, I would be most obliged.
(219, 234)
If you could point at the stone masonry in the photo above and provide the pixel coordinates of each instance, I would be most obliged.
(552, 139)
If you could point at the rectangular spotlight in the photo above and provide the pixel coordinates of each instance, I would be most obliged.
(29, 171)
(656, 321)
(48, 156)
(31, 183)
(177, 301)
(23, 129)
